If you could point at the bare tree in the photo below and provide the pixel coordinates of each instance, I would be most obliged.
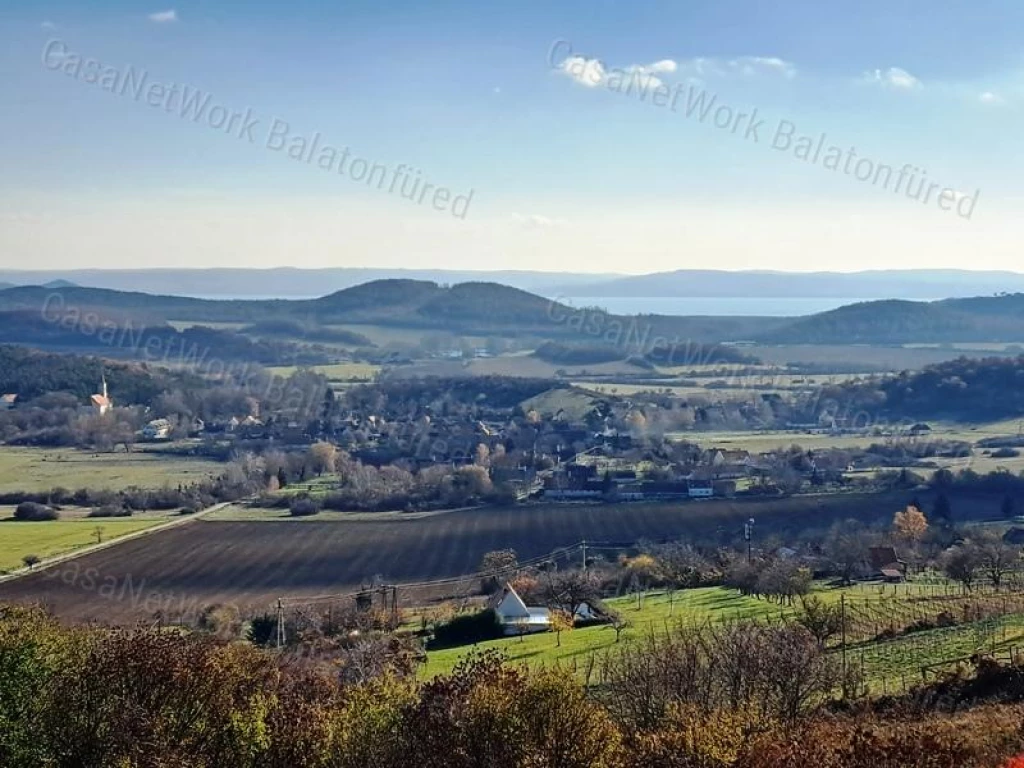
(821, 619)
(962, 563)
(997, 557)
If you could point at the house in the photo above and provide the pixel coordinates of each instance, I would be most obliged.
(158, 429)
(891, 575)
(886, 564)
(7, 402)
(727, 456)
(516, 617)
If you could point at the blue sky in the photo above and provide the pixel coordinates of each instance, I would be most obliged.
(557, 164)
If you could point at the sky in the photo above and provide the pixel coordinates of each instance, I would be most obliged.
(597, 136)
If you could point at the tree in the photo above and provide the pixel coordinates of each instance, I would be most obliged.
(942, 511)
(499, 561)
(566, 590)
(98, 533)
(30, 561)
(910, 524)
(521, 626)
(619, 623)
(561, 621)
(644, 568)
(497, 566)
(322, 457)
(821, 619)
(482, 455)
(682, 567)
(962, 562)
(847, 546)
(997, 557)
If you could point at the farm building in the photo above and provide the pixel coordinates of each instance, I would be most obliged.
(885, 563)
(516, 617)
(7, 402)
(158, 429)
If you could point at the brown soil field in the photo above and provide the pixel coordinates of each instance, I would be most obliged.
(251, 564)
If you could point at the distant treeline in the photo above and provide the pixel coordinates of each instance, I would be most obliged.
(669, 354)
(270, 343)
(31, 374)
(965, 389)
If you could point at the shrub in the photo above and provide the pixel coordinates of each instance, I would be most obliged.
(110, 510)
(466, 629)
(33, 511)
(303, 507)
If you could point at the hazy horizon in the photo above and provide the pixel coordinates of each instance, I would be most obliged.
(579, 138)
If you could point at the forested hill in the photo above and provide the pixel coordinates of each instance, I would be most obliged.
(29, 374)
(466, 309)
(966, 389)
(984, 318)
(484, 309)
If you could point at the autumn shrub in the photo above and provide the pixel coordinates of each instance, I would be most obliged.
(88, 697)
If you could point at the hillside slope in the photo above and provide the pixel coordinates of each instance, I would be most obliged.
(979, 319)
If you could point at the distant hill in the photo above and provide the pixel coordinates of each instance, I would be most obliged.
(977, 319)
(284, 282)
(60, 284)
(492, 309)
(291, 282)
(965, 389)
(472, 309)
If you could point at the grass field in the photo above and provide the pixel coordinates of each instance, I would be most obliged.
(887, 665)
(696, 605)
(56, 537)
(766, 440)
(40, 469)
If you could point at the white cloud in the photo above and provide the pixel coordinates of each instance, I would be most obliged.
(593, 72)
(588, 72)
(757, 65)
(746, 66)
(894, 77)
(989, 97)
(665, 65)
(534, 221)
(48, 25)
(164, 17)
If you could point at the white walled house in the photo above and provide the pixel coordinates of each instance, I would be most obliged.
(516, 617)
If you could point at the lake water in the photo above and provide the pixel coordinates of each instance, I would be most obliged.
(709, 305)
(666, 305)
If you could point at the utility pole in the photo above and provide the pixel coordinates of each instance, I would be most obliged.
(842, 613)
(280, 624)
(584, 545)
(748, 534)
